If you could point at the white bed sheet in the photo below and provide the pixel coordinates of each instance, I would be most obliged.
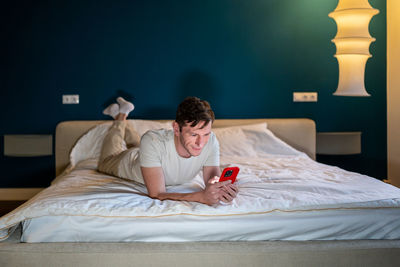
(282, 197)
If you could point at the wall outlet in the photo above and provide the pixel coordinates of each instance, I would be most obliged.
(70, 99)
(305, 97)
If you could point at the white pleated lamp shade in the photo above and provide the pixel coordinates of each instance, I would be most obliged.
(352, 44)
(351, 75)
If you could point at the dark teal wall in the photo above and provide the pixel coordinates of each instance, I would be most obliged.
(245, 57)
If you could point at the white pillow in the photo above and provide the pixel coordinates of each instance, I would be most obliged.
(89, 145)
(142, 126)
(243, 140)
(250, 141)
(233, 142)
(265, 142)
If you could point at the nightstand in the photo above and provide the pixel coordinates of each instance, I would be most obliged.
(338, 143)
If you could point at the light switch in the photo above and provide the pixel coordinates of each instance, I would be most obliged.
(70, 99)
(305, 97)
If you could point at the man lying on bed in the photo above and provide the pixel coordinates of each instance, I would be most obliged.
(167, 157)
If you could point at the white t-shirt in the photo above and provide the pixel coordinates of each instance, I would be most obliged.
(157, 149)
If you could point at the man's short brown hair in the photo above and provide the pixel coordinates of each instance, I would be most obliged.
(193, 110)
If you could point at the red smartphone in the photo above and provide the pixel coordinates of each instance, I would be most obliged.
(229, 173)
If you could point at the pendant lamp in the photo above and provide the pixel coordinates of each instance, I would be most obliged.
(352, 44)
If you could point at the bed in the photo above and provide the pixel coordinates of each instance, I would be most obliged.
(291, 210)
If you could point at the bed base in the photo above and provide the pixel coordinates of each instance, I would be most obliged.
(265, 253)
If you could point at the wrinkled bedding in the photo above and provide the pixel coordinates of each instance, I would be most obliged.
(269, 185)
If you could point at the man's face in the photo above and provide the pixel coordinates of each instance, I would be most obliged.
(191, 140)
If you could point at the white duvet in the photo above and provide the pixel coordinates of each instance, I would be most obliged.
(269, 183)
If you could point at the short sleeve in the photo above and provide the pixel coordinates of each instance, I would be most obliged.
(150, 150)
(213, 156)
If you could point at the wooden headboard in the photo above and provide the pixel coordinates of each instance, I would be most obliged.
(299, 133)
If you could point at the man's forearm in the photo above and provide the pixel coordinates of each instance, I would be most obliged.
(195, 196)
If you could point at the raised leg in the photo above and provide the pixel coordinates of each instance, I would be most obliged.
(118, 138)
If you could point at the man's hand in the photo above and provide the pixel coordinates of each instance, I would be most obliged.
(219, 191)
(213, 193)
(230, 192)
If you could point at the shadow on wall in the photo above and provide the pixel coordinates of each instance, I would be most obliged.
(124, 94)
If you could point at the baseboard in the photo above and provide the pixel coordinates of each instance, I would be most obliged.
(18, 193)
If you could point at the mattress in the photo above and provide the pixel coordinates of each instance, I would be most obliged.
(295, 226)
(274, 203)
